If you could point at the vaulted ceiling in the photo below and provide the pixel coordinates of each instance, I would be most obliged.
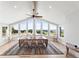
(54, 11)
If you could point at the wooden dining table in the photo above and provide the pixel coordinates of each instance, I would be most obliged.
(33, 42)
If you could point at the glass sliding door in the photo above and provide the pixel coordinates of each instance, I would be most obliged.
(53, 30)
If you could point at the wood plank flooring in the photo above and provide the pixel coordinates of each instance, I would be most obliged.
(16, 50)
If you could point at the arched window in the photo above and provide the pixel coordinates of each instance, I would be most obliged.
(35, 26)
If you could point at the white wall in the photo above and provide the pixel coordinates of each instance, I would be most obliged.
(72, 28)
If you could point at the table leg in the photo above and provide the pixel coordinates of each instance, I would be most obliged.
(67, 50)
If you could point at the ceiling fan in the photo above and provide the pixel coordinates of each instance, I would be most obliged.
(34, 10)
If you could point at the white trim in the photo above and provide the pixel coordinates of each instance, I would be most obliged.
(19, 30)
(34, 27)
(20, 21)
(41, 28)
(48, 30)
(27, 27)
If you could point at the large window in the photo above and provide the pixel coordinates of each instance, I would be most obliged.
(53, 30)
(38, 27)
(30, 26)
(45, 28)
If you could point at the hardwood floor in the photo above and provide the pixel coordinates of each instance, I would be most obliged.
(5, 48)
(50, 50)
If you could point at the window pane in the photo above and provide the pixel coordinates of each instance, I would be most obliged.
(14, 30)
(45, 28)
(38, 27)
(4, 31)
(53, 30)
(30, 26)
(23, 28)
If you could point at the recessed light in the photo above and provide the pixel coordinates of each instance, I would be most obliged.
(14, 6)
(50, 6)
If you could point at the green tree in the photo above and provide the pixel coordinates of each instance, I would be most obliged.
(38, 31)
(14, 31)
(30, 30)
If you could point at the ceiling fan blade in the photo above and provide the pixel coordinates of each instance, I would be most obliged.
(35, 13)
(38, 16)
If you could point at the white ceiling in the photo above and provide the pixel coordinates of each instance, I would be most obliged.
(56, 14)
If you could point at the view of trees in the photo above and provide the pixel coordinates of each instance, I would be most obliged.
(23, 31)
(38, 31)
(45, 32)
(30, 30)
(14, 31)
